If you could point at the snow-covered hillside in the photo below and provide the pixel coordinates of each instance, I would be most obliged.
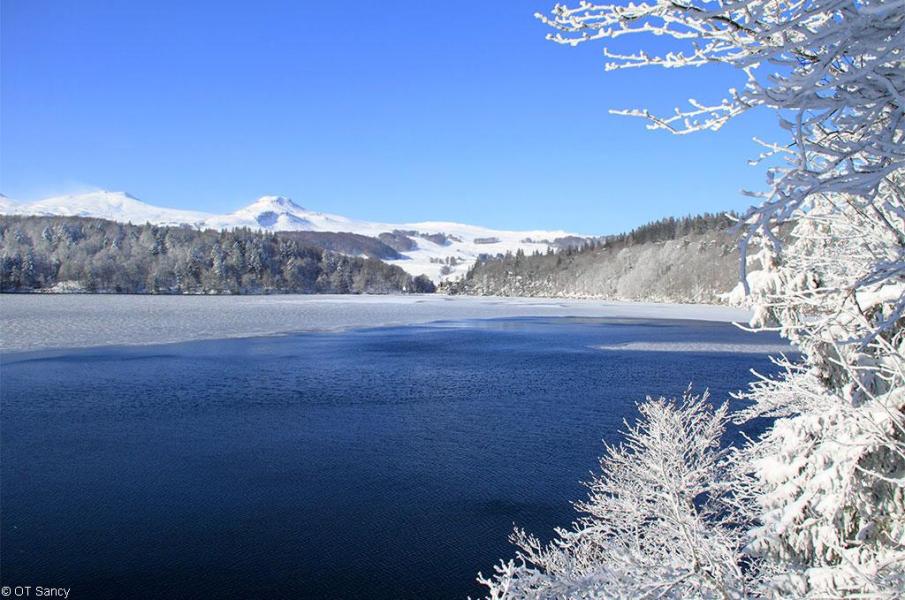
(115, 206)
(438, 249)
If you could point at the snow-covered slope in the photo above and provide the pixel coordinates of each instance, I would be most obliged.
(6, 205)
(115, 206)
(438, 249)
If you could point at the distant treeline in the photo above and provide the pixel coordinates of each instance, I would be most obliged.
(37, 253)
(661, 230)
(688, 259)
(672, 228)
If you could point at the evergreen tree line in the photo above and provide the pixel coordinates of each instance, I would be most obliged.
(536, 264)
(672, 228)
(37, 253)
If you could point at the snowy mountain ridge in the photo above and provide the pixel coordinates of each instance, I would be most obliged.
(438, 249)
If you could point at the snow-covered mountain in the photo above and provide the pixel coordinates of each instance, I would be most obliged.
(115, 206)
(438, 249)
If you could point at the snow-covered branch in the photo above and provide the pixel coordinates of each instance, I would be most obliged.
(834, 70)
(653, 525)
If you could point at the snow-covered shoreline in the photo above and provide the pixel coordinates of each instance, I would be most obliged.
(48, 321)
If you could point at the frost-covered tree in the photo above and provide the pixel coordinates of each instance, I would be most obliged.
(820, 496)
(833, 70)
(825, 487)
(653, 524)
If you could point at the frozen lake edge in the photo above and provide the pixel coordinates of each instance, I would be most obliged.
(30, 322)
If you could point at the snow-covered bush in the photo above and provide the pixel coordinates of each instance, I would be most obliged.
(820, 497)
(653, 524)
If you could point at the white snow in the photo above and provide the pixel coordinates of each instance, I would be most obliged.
(698, 347)
(277, 213)
(43, 321)
(115, 206)
(7, 205)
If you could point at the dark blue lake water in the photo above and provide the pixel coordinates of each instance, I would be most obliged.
(383, 463)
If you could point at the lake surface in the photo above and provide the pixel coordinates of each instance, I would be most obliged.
(370, 463)
(42, 321)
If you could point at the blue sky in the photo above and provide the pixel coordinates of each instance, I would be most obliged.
(392, 111)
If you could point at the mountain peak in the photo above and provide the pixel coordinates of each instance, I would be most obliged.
(277, 203)
(274, 212)
(98, 193)
(108, 197)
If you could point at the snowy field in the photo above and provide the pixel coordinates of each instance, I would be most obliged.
(36, 322)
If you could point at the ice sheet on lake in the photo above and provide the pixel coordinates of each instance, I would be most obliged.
(43, 321)
(698, 347)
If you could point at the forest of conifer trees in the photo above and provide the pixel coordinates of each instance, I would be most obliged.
(95, 255)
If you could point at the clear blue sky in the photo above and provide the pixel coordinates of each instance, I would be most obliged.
(393, 111)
